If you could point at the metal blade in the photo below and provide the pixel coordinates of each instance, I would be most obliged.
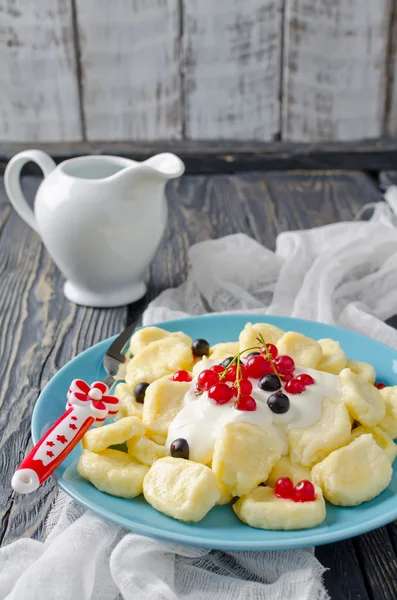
(114, 357)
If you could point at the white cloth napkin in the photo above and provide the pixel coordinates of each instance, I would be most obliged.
(345, 274)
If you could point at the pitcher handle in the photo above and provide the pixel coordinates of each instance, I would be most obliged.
(12, 183)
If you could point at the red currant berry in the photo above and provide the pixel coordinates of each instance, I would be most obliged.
(305, 379)
(288, 376)
(181, 376)
(221, 393)
(245, 387)
(271, 349)
(218, 369)
(284, 363)
(294, 387)
(246, 403)
(257, 366)
(304, 491)
(231, 374)
(206, 379)
(284, 488)
(380, 385)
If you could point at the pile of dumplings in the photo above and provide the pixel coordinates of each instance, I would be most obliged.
(347, 454)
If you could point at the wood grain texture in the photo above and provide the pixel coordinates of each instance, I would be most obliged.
(343, 579)
(231, 68)
(302, 199)
(40, 332)
(391, 100)
(216, 157)
(378, 563)
(39, 93)
(334, 69)
(129, 53)
(200, 208)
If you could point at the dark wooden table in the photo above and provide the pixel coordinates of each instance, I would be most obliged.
(41, 331)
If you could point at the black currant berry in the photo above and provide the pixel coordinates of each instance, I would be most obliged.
(269, 383)
(278, 403)
(140, 391)
(200, 347)
(180, 448)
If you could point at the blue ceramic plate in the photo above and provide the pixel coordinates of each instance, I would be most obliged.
(220, 529)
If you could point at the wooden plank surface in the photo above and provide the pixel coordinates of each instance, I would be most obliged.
(129, 56)
(40, 330)
(378, 563)
(344, 579)
(166, 69)
(231, 68)
(334, 69)
(39, 92)
(226, 156)
(391, 74)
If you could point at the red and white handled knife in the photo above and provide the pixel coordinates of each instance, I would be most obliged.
(86, 405)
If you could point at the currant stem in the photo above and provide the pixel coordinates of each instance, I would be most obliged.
(237, 360)
(268, 356)
(238, 372)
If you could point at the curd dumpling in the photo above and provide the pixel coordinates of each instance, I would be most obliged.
(182, 489)
(147, 335)
(163, 401)
(226, 495)
(224, 350)
(363, 401)
(284, 467)
(160, 358)
(263, 510)
(100, 438)
(249, 335)
(383, 440)
(389, 422)
(244, 455)
(129, 407)
(305, 351)
(355, 473)
(333, 359)
(113, 472)
(309, 445)
(365, 370)
(145, 450)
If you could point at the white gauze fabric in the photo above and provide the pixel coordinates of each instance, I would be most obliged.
(345, 274)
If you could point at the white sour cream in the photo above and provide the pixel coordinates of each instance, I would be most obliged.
(201, 420)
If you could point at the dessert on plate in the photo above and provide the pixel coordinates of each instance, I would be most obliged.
(274, 424)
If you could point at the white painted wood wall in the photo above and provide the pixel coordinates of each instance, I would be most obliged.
(299, 70)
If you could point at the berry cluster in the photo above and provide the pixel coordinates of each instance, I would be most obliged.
(230, 381)
(298, 384)
(224, 384)
(283, 366)
(302, 492)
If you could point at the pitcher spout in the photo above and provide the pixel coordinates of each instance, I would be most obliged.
(166, 164)
(157, 169)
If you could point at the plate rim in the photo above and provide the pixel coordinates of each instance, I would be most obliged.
(315, 539)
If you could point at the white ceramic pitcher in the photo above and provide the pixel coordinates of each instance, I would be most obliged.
(101, 218)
